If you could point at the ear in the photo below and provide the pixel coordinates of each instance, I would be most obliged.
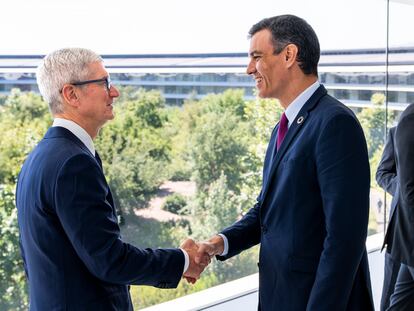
(291, 52)
(70, 95)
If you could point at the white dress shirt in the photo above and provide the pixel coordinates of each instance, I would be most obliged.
(293, 109)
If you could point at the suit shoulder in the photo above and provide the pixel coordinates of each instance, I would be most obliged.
(408, 112)
(51, 154)
(62, 147)
(330, 109)
(405, 126)
(334, 106)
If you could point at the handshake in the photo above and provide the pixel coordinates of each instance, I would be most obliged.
(200, 254)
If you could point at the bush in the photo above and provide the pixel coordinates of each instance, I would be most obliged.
(145, 296)
(13, 286)
(175, 203)
(135, 150)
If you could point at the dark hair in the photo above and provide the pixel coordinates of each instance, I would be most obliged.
(290, 29)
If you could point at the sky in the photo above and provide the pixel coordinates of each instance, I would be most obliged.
(191, 26)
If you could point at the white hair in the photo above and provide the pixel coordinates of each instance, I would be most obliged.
(60, 67)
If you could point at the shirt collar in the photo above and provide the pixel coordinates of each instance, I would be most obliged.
(293, 109)
(76, 130)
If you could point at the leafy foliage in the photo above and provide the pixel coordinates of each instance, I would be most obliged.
(175, 203)
(372, 120)
(219, 146)
(135, 149)
(22, 124)
(145, 296)
(213, 212)
(13, 291)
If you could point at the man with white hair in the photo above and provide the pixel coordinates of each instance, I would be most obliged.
(69, 234)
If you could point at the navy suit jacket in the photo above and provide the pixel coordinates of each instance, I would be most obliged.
(312, 214)
(386, 174)
(70, 240)
(400, 232)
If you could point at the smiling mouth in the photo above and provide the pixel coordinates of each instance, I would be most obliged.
(258, 80)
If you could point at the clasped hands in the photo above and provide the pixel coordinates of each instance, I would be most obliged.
(200, 255)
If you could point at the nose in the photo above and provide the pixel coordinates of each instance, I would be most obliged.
(113, 91)
(251, 67)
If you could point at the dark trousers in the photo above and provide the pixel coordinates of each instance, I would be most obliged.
(391, 268)
(403, 297)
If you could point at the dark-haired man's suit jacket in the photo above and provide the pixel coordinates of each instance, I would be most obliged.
(70, 239)
(312, 214)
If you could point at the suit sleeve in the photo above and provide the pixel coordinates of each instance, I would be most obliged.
(386, 174)
(404, 140)
(90, 223)
(344, 179)
(243, 234)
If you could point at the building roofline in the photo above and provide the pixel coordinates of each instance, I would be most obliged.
(393, 50)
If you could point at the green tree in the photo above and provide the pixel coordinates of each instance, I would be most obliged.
(177, 129)
(372, 120)
(24, 118)
(13, 287)
(213, 212)
(26, 107)
(145, 296)
(22, 126)
(175, 203)
(183, 122)
(219, 145)
(262, 116)
(219, 208)
(135, 150)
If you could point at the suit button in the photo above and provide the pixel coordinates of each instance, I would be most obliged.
(264, 229)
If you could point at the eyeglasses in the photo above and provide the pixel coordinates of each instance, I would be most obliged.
(107, 81)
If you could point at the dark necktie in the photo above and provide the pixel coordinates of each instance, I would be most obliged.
(281, 132)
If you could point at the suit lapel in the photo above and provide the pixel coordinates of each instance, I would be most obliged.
(294, 129)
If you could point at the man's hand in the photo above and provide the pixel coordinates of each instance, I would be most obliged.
(210, 248)
(195, 268)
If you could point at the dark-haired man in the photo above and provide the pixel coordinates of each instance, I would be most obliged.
(311, 216)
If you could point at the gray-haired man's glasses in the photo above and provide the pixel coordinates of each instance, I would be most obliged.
(107, 81)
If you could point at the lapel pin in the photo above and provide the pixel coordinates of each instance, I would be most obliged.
(300, 120)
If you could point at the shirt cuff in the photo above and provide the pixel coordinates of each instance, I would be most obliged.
(186, 260)
(226, 245)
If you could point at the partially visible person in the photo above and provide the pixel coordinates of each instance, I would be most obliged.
(311, 216)
(70, 240)
(386, 174)
(400, 233)
(386, 177)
